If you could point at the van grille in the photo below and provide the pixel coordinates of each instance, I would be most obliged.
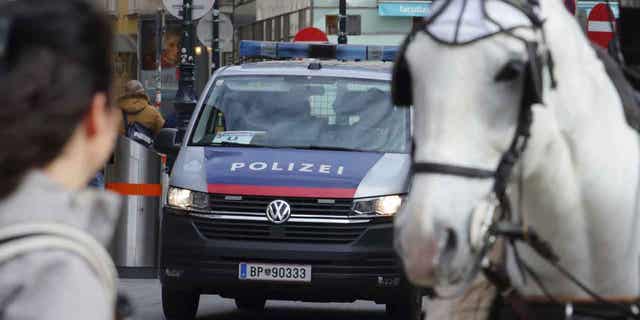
(299, 206)
(290, 232)
(373, 266)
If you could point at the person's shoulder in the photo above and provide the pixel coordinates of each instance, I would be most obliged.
(151, 108)
(153, 111)
(53, 285)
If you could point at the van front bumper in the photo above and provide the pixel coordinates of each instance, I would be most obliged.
(348, 262)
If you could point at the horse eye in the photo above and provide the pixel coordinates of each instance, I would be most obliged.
(510, 71)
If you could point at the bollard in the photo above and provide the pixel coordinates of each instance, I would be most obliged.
(135, 173)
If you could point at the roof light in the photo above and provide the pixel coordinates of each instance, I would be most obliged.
(288, 50)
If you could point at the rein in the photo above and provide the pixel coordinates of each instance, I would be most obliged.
(501, 224)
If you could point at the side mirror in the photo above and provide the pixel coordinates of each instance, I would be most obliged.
(165, 142)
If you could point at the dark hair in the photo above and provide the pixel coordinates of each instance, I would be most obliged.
(57, 58)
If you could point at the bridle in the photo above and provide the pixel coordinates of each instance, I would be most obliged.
(498, 221)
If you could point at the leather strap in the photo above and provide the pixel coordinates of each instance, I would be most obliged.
(554, 311)
(581, 301)
(441, 168)
(510, 295)
(20, 239)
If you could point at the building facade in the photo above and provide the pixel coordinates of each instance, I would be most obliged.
(369, 21)
(138, 50)
(136, 47)
(382, 22)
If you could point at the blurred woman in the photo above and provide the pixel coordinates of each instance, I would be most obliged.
(57, 129)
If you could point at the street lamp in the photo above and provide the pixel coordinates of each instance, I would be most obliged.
(215, 39)
(185, 102)
(342, 24)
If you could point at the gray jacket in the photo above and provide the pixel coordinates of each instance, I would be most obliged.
(56, 284)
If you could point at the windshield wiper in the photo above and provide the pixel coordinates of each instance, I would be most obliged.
(310, 147)
(237, 144)
(330, 148)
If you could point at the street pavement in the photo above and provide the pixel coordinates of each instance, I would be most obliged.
(145, 295)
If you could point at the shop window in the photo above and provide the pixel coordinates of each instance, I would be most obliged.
(277, 29)
(302, 19)
(353, 25)
(418, 23)
(268, 30)
(227, 58)
(286, 27)
(169, 58)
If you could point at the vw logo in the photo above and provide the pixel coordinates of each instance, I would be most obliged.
(279, 211)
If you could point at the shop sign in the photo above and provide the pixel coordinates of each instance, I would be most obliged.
(587, 6)
(404, 8)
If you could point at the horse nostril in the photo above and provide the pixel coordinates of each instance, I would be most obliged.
(447, 246)
(451, 241)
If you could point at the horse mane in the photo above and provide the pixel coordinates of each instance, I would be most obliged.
(627, 93)
(585, 93)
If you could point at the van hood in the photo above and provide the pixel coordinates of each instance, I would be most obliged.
(288, 172)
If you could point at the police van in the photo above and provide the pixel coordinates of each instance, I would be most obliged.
(287, 182)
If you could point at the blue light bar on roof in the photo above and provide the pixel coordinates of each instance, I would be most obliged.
(290, 50)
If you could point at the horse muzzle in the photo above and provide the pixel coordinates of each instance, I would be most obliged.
(426, 256)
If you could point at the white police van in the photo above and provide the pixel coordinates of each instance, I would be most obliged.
(287, 183)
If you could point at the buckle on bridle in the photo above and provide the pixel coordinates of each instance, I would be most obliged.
(483, 217)
(521, 143)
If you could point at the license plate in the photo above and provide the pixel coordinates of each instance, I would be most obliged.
(274, 272)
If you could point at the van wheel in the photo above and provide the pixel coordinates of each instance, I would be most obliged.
(251, 304)
(407, 308)
(179, 304)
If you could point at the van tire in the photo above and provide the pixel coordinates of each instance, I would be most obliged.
(179, 304)
(252, 304)
(409, 307)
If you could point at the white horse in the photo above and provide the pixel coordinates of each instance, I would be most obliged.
(577, 181)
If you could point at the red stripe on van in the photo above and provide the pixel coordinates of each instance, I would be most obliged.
(281, 191)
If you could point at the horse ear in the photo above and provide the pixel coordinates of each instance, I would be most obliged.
(511, 70)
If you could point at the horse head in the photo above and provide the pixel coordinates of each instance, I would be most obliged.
(477, 72)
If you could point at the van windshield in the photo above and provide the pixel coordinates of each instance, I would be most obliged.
(303, 112)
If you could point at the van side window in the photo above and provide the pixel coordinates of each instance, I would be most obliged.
(206, 130)
(219, 122)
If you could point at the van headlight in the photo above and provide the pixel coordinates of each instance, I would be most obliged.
(187, 199)
(384, 206)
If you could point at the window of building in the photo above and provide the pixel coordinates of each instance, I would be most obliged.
(353, 25)
(418, 23)
(268, 29)
(331, 24)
